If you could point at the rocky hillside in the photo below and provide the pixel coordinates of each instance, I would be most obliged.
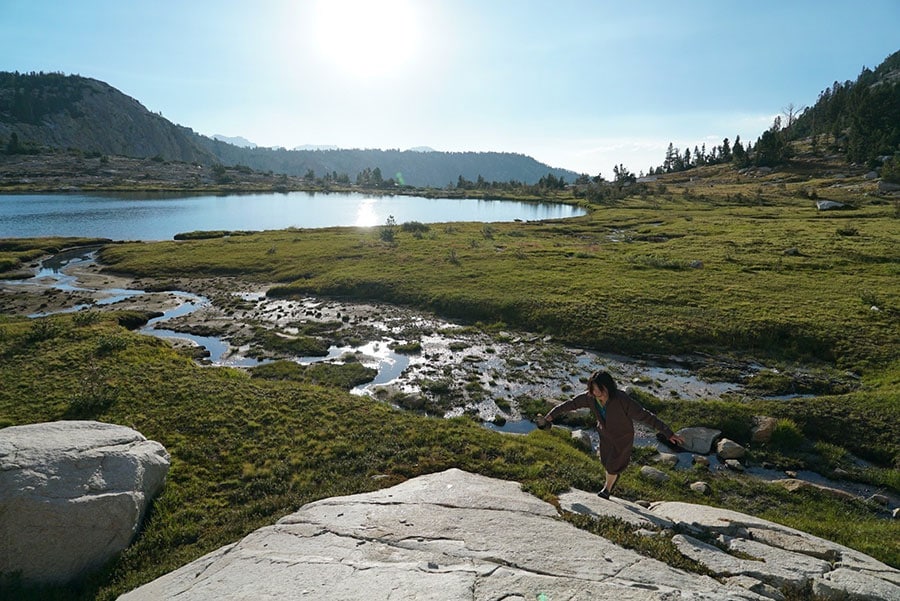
(56, 111)
(859, 117)
(41, 111)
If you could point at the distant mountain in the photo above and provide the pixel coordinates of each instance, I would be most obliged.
(422, 149)
(52, 110)
(414, 168)
(236, 140)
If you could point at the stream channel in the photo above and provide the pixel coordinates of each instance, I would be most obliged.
(484, 372)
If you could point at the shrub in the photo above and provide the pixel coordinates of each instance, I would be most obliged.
(658, 262)
(414, 227)
(387, 231)
(770, 383)
(8, 264)
(787, 435)
(94, 395)
(303, 346)
(436, 386)
(890, 170)
(345, 375)
(107, 345)
(43, 329)
(409, 348)
(86, 318)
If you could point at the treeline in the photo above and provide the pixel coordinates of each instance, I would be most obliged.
(596, 189)
(29, 97)
(771, 149)
(373, 177)
(544, 184)
(14, 146)
(681, 161)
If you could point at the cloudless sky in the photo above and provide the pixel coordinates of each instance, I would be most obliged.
(578, 84)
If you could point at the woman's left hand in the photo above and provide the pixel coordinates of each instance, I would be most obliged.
(676, 439)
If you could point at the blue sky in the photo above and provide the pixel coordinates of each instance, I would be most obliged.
(577, 84)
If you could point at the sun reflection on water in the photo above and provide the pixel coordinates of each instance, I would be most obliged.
(366, 216)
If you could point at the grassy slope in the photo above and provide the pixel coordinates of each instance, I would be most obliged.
(246, 451)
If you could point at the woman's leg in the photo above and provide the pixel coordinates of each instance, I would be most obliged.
(615, 460)
(611, 480)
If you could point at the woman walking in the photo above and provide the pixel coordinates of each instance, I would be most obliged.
(614, 411)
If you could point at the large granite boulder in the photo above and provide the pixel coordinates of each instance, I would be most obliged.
(763, 428)
(885, 187)
(728, 449)
(456, 535)
(72, 495)
(699, 439)
(450, 535)
(829, 205)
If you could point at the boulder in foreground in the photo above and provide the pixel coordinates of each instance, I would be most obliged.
(72, 496)
(456, 535)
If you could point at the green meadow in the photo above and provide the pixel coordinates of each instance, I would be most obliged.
(717, 265)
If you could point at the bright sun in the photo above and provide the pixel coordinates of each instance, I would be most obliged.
(366, 39)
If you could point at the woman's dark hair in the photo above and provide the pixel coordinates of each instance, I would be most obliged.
(602, 379)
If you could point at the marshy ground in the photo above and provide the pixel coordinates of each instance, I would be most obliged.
(422, 362)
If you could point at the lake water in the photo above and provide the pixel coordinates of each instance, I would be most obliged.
(160, 217)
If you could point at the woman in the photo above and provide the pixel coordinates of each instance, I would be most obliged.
(614, 411)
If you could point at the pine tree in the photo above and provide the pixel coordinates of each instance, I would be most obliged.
(726, 151)
(669, 162)
(739, 155)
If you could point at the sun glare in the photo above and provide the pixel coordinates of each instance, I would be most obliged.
(366, 215)
(366, 39)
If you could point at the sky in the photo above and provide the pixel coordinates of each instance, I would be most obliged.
(578, 84)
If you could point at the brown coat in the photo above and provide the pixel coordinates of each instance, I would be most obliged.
(617, 430)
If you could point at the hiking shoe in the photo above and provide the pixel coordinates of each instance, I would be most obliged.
(603, 494)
